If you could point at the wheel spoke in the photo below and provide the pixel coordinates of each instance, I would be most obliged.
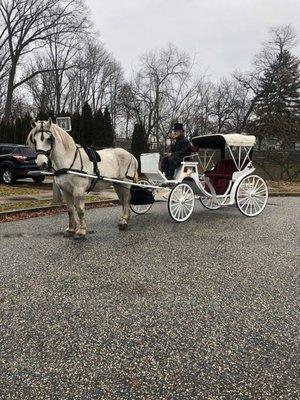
(246, 204)
(261, 192)
(256, 205)
(261, 185)
(176, 212)
(258, 199)
(181, 212)
(243, 200)
(175, 206)
(187, 208)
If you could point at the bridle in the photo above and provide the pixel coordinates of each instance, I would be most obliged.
(63, 171)
(47, 153)
(52, 140)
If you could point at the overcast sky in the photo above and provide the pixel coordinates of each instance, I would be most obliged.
(222, 35)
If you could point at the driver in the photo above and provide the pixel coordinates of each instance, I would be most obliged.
(180, 149)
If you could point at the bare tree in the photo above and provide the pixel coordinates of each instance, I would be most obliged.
(158, 85)
(28, 24)
(96, 79)
(223, 105)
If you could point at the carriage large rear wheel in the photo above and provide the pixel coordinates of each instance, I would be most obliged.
(181, 202)
(141, 208)
(252, 195)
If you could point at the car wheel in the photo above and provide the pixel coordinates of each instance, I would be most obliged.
(38, 179)
(8, 176)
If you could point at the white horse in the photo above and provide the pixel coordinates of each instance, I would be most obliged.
(57, 148)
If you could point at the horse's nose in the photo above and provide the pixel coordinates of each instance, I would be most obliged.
(44, 165)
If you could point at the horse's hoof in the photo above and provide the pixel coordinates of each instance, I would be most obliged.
(69, 233)
(122, 227)
(80, 234)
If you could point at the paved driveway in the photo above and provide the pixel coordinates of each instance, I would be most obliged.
(207, 309)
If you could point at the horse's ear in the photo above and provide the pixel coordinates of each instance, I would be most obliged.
(49, 122)
(33, 123)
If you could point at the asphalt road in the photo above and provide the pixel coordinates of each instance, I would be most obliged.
(207, 309)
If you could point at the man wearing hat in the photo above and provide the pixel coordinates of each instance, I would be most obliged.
(180, 149)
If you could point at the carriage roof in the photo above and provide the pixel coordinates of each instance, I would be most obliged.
(217, 140)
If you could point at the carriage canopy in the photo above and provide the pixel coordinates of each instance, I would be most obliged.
(218, 141)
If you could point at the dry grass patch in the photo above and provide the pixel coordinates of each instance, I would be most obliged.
(26, 204)
(284, 186)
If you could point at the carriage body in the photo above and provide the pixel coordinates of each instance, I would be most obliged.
(230, 180)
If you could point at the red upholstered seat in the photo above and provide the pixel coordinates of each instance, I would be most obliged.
(195, 149)
(221, 175)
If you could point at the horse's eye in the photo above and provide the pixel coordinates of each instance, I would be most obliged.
(49, 139)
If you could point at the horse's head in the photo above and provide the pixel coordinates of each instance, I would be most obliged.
(43, 140)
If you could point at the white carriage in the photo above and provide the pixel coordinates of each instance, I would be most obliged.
(228, 181)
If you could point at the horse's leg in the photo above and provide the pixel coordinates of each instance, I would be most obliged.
(79, 204)
(123, 193)
(70, 231)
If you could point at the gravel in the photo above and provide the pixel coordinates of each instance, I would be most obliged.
(207, 309)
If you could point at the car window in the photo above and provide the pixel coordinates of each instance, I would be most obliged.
(25, 151)
(6, 150)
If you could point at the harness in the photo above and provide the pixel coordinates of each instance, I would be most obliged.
(94, 157)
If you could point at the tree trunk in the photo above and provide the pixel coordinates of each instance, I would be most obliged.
(9, 92)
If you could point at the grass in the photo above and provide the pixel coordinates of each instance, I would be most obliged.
(7, 190)
(283, 186)
(18, 205)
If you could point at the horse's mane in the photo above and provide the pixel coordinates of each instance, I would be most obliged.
(63, 136)
(59, 134)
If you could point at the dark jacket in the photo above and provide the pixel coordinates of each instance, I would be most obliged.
(181, 148)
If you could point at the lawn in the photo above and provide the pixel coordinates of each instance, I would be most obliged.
(283, 186)
(12, 191)
(7, 190)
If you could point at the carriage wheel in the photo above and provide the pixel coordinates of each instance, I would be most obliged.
(141, 208)
(181, 202)
(208, 202)
(252, 195)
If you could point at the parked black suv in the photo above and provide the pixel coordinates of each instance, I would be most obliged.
(16, 161)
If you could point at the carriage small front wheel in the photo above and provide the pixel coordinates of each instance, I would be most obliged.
(181, 202)
(252, 195)
(208, 202)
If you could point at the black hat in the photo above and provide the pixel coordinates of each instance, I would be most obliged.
(178, 127)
